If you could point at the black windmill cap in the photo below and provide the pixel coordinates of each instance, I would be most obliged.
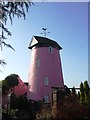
(38, 41)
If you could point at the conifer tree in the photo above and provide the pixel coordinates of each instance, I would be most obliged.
(86, 93)
(82, 96)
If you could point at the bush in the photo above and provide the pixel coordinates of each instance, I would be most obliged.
(69, 108)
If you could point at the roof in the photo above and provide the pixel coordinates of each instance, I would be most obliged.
(38, 41)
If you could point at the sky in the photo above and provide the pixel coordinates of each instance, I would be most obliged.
(67, 23)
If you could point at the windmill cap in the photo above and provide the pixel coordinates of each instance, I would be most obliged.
(38, 41)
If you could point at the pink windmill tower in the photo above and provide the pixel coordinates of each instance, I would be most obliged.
(45, 68)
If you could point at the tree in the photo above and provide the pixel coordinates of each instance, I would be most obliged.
(13, 101)
(2, 62)
(82, 93)
(73, 91)
(78, 95)
(70, 109)
(8, 10)
(86, 92)
(67, 90)
(5, 87)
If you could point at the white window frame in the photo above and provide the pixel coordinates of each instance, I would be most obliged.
(46, 98)
(45, 80)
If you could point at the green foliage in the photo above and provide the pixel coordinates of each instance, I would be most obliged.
(2, 62)
(22, 102)
(13, 101)
(67, 90)
(73, 91)
(78, 95)
(86, 88)
(82, 96)
(1, 82)
(70, 109)
(5, 87)
(61, 93)
(8, 10)
(84, 93)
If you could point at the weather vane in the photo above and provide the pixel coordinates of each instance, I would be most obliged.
(44, 32)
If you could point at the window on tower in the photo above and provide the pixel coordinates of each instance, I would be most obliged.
(38, 62)
(46, 99)
(45, 80)
(50, 50)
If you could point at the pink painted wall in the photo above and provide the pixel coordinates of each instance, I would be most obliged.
(49, 66)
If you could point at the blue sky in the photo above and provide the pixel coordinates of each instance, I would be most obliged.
(68, 25)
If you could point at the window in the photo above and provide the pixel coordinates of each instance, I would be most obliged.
(46, 99)
(50, 50)
(45, 80)
(38, 62)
